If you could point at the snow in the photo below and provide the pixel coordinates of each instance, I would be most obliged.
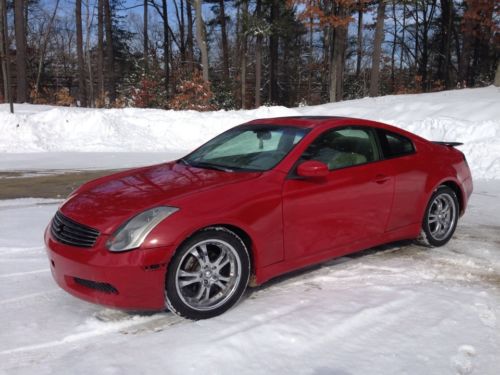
(471, 116)
(399, 309)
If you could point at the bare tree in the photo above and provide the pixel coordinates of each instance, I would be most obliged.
(244, 42)
(100, 50)
(146, 42)
(21, 71)
(377, 49)
(82, 91)
(189, 41)
(359, 50)
(4, 54)
(273, 52)
(45, 41)
(109, 51)
(166, 45)
(258, 57)
(497, 75)
(225, 53)
(201, 38)
(337, 41)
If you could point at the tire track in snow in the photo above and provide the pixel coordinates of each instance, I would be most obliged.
(17, 274)
(28, 296)
(135, 324)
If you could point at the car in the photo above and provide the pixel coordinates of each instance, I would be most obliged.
(257, 201)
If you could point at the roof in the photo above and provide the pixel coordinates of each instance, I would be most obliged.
(302, 121)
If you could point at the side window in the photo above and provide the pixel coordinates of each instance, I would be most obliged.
(394, 145)
(346, 147)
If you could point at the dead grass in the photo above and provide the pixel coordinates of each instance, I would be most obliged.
(17, 185)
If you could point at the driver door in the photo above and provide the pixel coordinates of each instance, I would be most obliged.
(351, 204)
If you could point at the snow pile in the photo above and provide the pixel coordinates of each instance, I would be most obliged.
(471, 116)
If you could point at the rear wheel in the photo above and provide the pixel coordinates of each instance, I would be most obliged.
(208, 274)
(441, 217)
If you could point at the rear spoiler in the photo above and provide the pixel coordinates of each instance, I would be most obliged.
(449, 144)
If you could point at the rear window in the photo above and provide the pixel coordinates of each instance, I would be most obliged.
(394, 145)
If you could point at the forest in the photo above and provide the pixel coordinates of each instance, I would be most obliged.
(230, 54)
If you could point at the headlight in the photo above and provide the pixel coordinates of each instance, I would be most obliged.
(132, 234)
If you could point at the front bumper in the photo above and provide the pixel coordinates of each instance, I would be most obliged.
(131, 280)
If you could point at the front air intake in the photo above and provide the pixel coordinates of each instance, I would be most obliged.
(100, 287)
(71, 233)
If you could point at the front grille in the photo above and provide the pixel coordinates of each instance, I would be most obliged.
(71, 233)
(101, 287)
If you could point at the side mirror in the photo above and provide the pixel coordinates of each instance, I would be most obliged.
(312, 168)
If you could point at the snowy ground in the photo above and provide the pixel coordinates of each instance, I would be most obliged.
(400, 309)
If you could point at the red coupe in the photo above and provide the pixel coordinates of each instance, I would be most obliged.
(257, 201)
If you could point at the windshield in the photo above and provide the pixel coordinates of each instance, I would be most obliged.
(247, 148)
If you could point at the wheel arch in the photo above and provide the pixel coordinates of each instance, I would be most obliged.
(242, 234)
(458, 191)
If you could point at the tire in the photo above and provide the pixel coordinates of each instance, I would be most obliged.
(208, 274)
(441, 217)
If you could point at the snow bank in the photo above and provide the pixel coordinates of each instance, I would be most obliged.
(471, 116)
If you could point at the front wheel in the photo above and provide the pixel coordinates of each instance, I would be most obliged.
(208, 274)
(441, 216)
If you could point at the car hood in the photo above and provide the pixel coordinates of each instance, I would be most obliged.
(107, 202)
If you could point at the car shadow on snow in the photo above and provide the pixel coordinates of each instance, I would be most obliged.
(385, 249)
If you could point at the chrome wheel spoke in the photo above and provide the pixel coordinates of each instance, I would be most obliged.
(201, 293)
(188, 278)
(441, 217)
(220, 285)
(205, 267)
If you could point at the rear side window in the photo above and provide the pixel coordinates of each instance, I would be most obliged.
(394, 145)
(346, 147)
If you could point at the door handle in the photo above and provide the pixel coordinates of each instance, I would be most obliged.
(381, 179)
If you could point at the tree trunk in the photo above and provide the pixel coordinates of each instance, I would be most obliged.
(225, 53)
(417, 37)
(311, 58)
(100, 51)
(394, 43)
(109, 51)
(340, 46)
(82, 92)
(377, 49)
(146, 41)
(181, 25)
(359, 49)
(402, 44)
(428, 15)
(446, 35)
(497, 75)
(201, 39)
(21, 72)
(166, 46)
(6, 59)
(44, 48)
(258, 57)
(86, 50)
(3, 51)
(189, 42)
(243, 55)
(273, 53)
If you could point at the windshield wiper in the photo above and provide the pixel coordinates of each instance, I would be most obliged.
(184, 161)
(211, 166)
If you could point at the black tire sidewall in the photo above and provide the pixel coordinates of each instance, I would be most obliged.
(425, 224)
(175, 303)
